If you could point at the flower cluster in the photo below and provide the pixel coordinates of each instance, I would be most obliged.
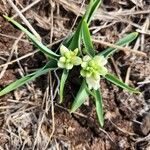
(92, 68)
(68, 58)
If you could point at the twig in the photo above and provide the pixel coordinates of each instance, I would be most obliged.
(122, 130)
(126, 13)
(20, 58)
(143, 31)
(13, 37)
(120, 47)
(52, 109)
(58, 84)
(67, 110)
(77, 17)
(23, 102)
(147, 138)
(12, 51)
(144, 82)
(29, 54)
(52, 20)
(128, 75)
(42, 116)
(116, 68)
(24, 19)
(26, 8)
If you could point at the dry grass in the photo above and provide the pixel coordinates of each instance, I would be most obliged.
(28, 114)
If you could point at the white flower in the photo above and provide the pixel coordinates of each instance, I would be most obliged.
(63, 50)
(92, 83)
(92, 68)
(68, 58)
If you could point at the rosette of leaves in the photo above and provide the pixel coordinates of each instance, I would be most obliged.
(70, 50)
(92, 68)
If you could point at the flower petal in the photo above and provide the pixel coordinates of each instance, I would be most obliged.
(63, 50)
(76, 51)
(88, 74)
(103, 60)
(77, 61)
(62, 59)
(68, 55)
(103, 70)
(96, 76)
(84, 64)
(69, 66)
(100, 60)
(86, 58)
(92, 83)
(83, 73)
(60, 64)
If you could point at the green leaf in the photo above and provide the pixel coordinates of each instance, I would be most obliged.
(95, 6)
(67, 41)
(119, 83)
(99, 107)
(81, 97)
(49, 66)
(87, 39)
(88, 10)
(122, 42)
(62, 83)
(76, 39)
(41, 47)
(92, 7)
(73, 42)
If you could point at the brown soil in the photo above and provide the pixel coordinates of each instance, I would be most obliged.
(23, 121)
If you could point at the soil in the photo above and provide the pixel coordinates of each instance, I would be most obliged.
(26, 118)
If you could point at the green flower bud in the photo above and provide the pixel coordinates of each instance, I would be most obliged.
(68, 58)
(92, 68)
(62, 59)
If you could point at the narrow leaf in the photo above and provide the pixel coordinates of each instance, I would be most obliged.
(67, 41)
(87, 39)
(99, 107)
(119, 83)
(27, 78)
(41, 47)
(81, 97)
(88, 10)
(92, 7)
(72, 42)
(122, 42)
(96, 4)
(62, 83)
(76, 39)
(75, 42)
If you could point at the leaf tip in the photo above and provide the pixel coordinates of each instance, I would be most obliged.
(71, 110)
(102, 124)
(61, 100)
(135, 34)
(137, 92)
(6, 17)
(2, 93)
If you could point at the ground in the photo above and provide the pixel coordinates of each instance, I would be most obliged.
(32, 118)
